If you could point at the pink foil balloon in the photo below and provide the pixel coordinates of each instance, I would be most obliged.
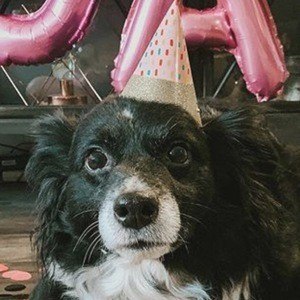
(244, 28)
(207, 28)
(144, 18)
(45, 34)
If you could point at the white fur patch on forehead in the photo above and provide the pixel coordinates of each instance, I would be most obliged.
(126, 113)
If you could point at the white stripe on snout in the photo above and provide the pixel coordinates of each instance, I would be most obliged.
(135, 184)
(164, 230)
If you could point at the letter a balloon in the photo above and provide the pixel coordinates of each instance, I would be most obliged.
(244, 28)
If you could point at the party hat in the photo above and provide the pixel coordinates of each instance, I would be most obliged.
(164, 73)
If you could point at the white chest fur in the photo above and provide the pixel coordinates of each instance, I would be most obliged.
(119, 279)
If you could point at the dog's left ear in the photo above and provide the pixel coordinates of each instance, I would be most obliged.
(241, 145)
(240, 142)
(245, 158)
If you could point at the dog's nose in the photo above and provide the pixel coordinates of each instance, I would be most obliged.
(135, 212)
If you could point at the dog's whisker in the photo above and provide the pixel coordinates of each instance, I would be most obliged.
(93, 234)
(85, 233)
(193, 218)
(198, 204)
(174, 125)
(93, 249)
(167, 125)
(88, 250)
(169, 121)
(88, 229)
(184, 243)
(83, 212)
(181, 238)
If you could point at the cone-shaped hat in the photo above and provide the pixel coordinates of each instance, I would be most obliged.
(164, 72)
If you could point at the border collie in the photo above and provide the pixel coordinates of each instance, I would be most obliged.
(138, 202)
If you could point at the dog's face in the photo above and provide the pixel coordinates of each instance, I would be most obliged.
(142, 171)
(144, 179)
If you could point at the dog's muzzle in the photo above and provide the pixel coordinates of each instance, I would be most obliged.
(138, 217)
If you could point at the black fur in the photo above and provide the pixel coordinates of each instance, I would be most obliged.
(239, 196)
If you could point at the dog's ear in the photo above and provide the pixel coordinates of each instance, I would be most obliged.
(240, 147)
(49, 161)
(245, 158)
(47, 171)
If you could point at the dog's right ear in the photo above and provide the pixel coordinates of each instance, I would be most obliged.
(50, 159)
(47, 172)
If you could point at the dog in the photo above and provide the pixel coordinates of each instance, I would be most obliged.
(137, 201)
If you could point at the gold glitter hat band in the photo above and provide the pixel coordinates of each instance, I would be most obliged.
(163, 91)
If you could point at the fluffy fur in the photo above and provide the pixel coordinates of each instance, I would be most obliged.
(228, 219)
(121, 278)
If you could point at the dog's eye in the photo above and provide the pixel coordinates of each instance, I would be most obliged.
(178, 155)
(96, 160)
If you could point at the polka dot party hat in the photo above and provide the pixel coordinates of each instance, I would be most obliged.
(164, 72)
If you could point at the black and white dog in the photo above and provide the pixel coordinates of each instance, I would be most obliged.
(137, 201)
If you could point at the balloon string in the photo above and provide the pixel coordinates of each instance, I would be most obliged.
(26, 10)
(32, 95)
(89, 84)
(225, 78)
(14, 85)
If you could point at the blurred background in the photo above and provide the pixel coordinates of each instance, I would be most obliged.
(217, 77)
(95, 55)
